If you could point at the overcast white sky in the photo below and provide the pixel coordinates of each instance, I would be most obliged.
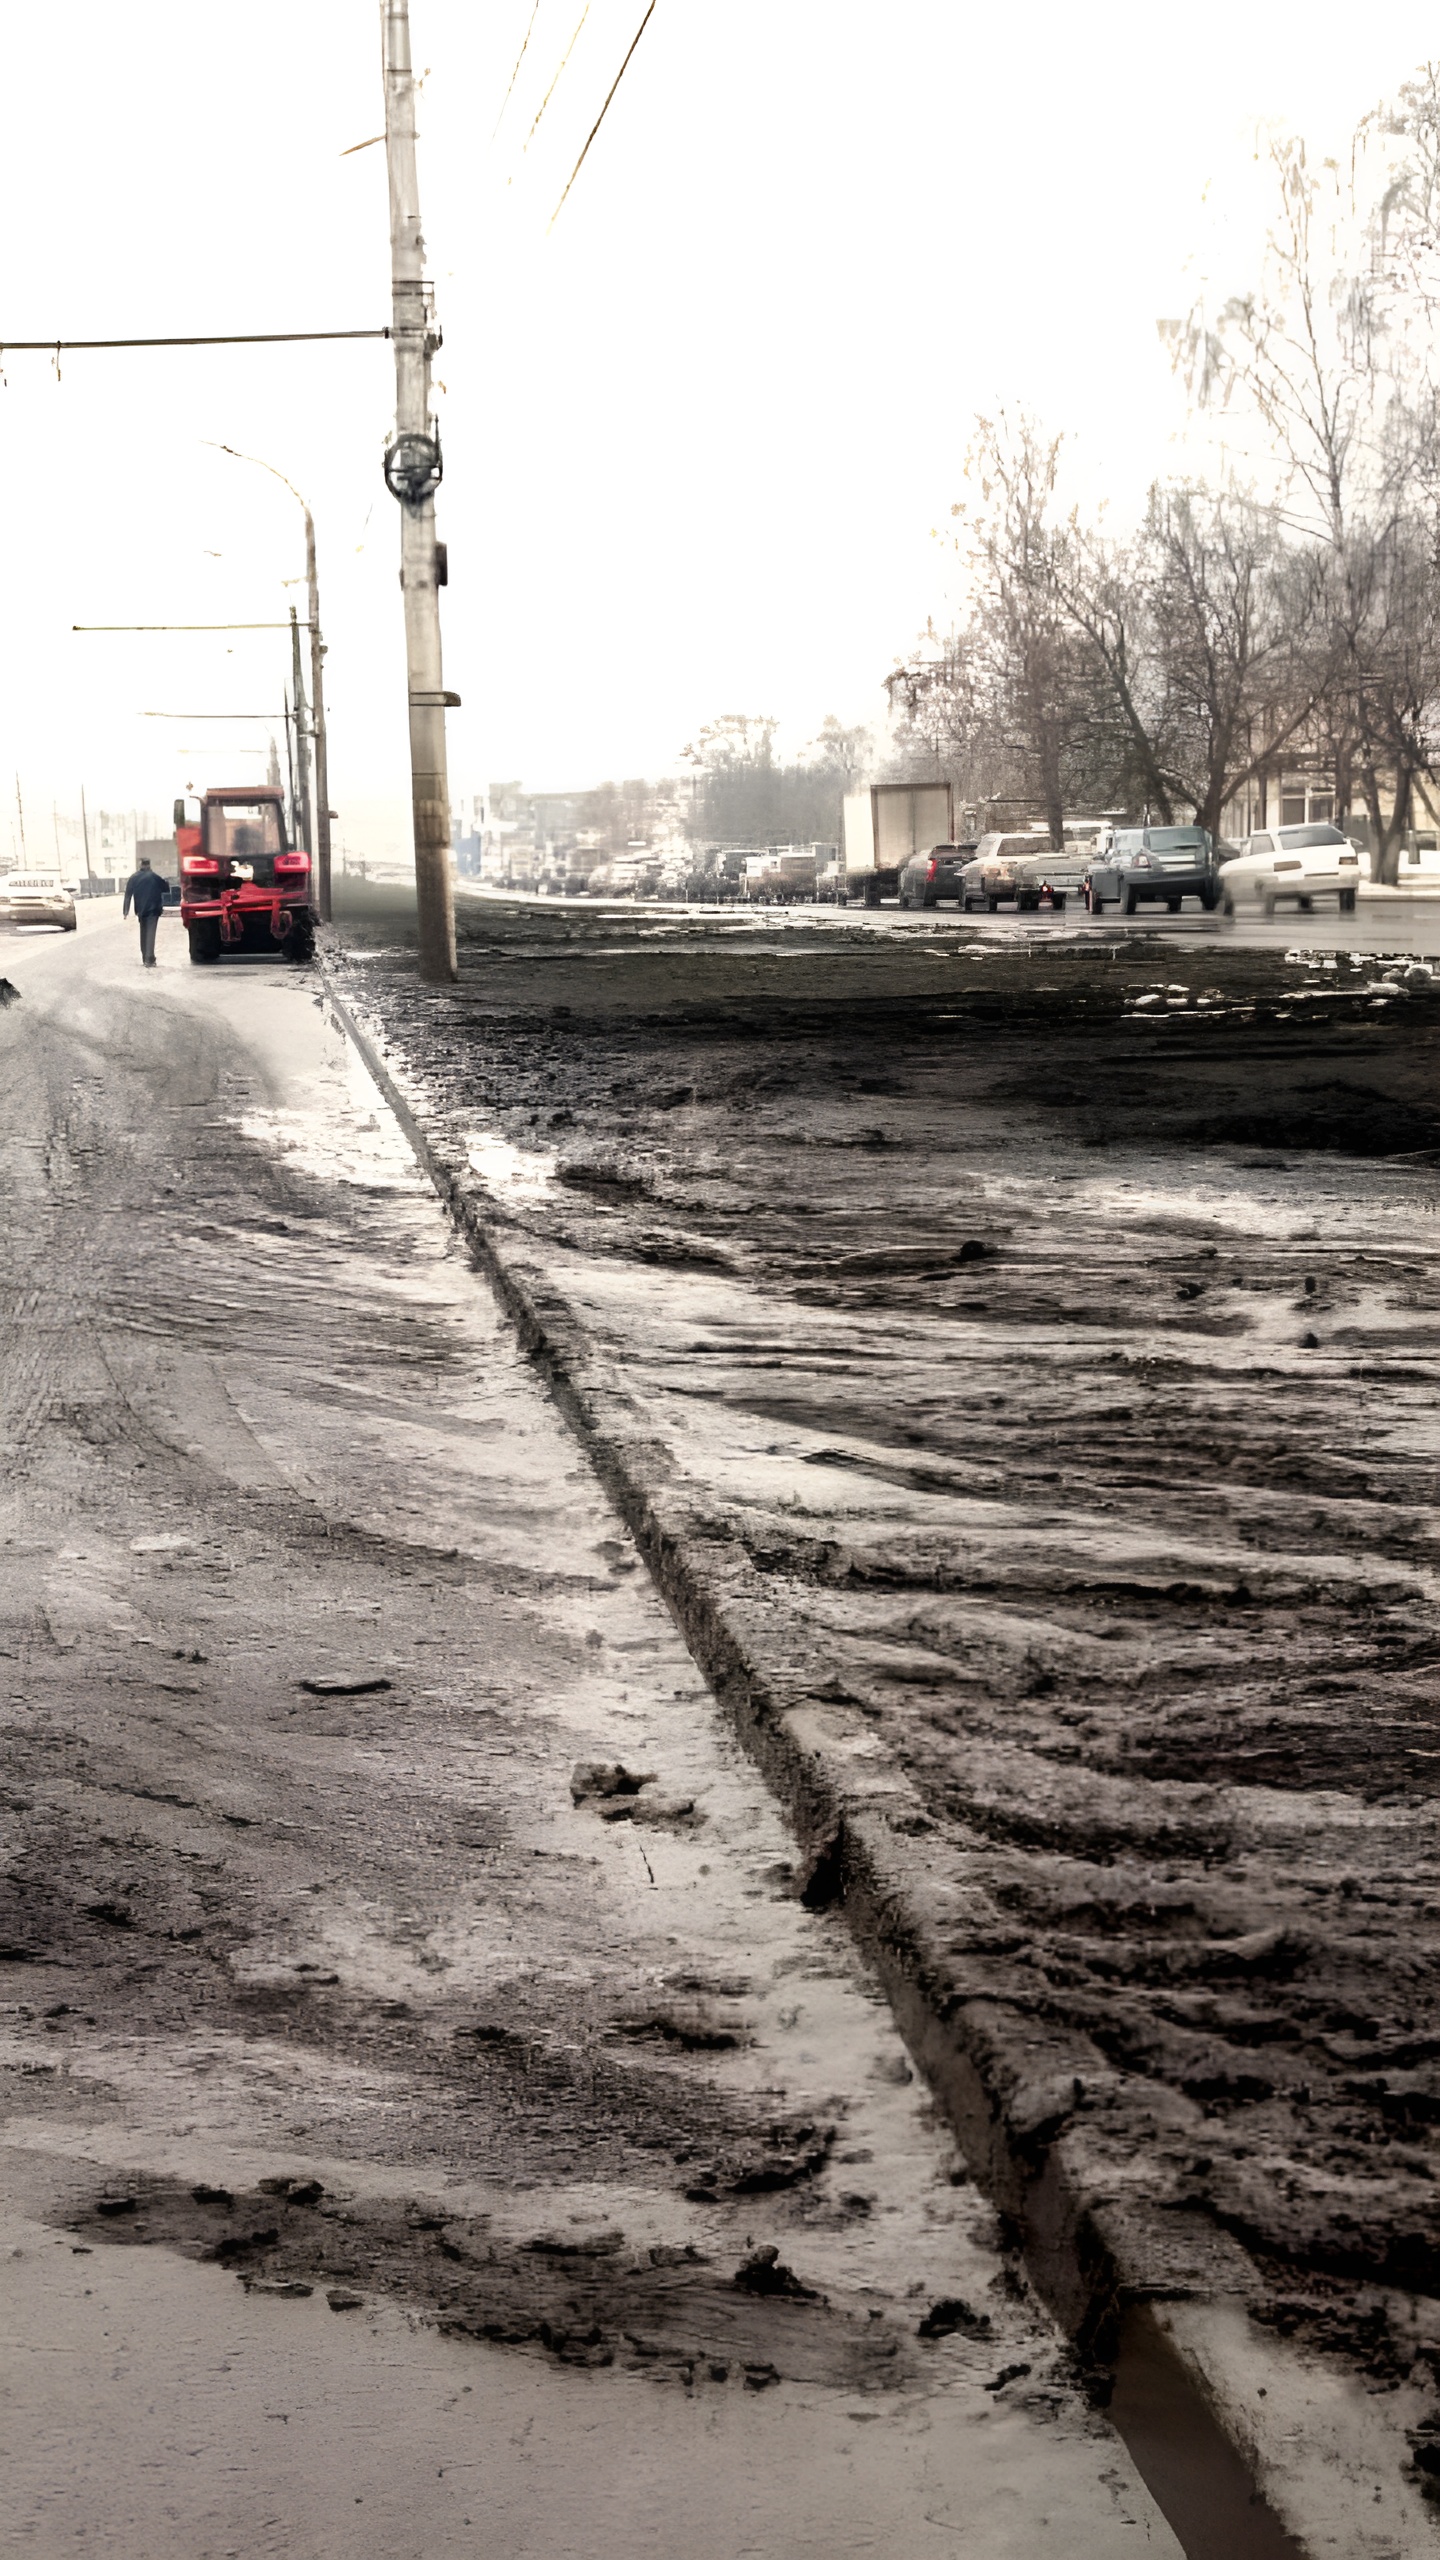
(698, 437)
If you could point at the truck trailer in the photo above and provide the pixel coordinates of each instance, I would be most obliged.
(883, 826)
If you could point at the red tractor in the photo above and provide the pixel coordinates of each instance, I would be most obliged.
(243, 885)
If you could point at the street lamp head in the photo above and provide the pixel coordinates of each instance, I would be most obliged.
(413, 468)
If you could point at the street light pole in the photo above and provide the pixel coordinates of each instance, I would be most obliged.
(320, 848)
(412, 474)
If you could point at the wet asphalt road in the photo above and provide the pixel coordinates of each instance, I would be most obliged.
(1398, 921)
(408, 2075)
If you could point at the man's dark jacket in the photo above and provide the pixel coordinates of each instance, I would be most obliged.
(145, 891)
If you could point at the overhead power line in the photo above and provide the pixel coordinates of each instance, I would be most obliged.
(555, 83)
(515, 74)
(594, 129)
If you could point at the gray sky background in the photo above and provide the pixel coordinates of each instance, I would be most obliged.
(700, 437)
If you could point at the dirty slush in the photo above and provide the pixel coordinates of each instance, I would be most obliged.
(1015, 1368)
(395, 1936)
(1041, 1345)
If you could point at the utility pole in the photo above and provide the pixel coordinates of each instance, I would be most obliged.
(85, 831)
(304, 830)
(321, 847)
(412, 475)
(20, 813)
(290, 767)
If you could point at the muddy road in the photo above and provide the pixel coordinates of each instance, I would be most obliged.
(436, 2118)
(1023, 1355)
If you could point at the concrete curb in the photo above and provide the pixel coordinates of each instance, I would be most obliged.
(1030, 2102)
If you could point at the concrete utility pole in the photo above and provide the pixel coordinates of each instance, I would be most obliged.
(412, 475)
(304, 829)
(321, 846)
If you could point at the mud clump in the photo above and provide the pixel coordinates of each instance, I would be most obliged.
(951, 2317)
(764, 2273)
(607, 1782)
(617, 1794)
(580, 2298)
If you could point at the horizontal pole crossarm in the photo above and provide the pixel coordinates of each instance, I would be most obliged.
(187, 626)
(251, 338)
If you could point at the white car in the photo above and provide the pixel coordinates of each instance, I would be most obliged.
(1299, 863)
(36, 897)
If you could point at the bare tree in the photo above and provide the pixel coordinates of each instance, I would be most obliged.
(1323, 357)
(838, 750)
(1232, 624)
(1157, 674)
(1019, 681)
(743, 795)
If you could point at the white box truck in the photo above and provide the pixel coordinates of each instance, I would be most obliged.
(884, 826)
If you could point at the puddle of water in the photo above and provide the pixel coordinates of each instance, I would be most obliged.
(365, 1150)
(1191, 2470)
(1227, 1202)
(512, 1173)
(339, 1129)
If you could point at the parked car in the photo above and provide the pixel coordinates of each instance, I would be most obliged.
(1026, 868)
(1303, 863)
(928, 877)
(1142, 865)
(35, 897)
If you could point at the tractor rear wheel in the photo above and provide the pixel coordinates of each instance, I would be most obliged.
(204, 942)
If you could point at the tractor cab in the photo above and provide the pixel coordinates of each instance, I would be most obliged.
(242, 882)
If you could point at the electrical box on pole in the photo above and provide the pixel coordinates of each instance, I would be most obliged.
(412, 475)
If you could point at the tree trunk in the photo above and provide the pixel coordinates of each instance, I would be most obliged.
(1399, 821)
(1054, 804)
(1384, 839)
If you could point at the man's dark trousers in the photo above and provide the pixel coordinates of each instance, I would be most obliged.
(148, 927)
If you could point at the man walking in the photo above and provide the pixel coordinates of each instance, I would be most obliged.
(145, 891)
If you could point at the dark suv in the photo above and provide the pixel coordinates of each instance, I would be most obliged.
(928, 877)
(1143, 864)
